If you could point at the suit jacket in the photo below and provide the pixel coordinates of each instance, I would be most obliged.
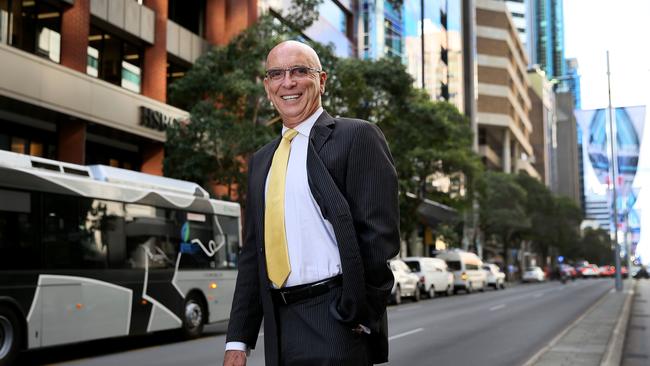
(352, 177)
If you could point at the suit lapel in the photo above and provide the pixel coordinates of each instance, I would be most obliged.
(321, 131)
(263, 164)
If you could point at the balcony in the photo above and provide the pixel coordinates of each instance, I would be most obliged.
(527, 166)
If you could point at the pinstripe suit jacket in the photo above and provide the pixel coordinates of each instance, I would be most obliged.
(353, 179)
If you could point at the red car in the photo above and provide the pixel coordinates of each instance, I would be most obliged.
(607, 271)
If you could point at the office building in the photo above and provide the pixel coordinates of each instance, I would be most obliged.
(572, 81)
(544, 119)
(504, 126)
(547, 37)
(426, 36)
(85, 81)
(568, 172)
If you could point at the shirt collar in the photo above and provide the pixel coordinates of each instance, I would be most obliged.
(304, 127)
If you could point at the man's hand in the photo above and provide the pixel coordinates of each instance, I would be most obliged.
(234, 358)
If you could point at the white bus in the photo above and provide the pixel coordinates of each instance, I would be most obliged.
(90, 252)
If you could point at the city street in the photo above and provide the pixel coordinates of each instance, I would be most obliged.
(492, 328)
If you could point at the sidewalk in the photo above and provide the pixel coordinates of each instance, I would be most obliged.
(596, 338)
(637, 340)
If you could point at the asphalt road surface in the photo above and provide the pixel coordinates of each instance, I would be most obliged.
(499, 328)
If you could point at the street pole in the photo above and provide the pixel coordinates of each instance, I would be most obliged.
(628, 244)
(614, 163)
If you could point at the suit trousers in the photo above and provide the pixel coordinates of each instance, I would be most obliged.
(309, 335)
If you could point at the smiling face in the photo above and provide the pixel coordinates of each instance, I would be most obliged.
(294, 97)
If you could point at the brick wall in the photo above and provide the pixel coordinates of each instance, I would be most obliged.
(154, 78)
(75, 26)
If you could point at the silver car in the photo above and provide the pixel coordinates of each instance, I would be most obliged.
(533, 274)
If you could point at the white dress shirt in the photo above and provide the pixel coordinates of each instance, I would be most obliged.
(313, 251)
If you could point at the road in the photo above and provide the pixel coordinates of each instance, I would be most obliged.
(497, 328)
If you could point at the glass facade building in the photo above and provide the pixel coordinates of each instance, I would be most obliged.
(547, 37)
(425, 35)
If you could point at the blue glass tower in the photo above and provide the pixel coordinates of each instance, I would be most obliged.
(547, 37)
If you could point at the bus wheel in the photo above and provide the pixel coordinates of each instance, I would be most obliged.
(194, 317)
(10, 335)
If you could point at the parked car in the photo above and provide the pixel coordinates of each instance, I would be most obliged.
(466, 267)
(533, 274)
(589, 271)
(406, 283)
(495, 277)
(433, 274)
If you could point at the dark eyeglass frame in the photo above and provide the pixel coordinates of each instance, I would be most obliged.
(298, 72)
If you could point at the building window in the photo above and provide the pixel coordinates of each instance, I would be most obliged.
(28, 141)
(114, 59)
(188, 14)
(32, 26)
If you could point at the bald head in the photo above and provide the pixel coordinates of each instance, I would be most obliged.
(294, 46)
(296, 94)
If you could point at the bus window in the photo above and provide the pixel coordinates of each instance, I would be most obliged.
(150, 237)
(18, 230)
(70, 230)
(197, 245)
(228, 227)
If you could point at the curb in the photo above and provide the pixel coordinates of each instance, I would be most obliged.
(613, 354)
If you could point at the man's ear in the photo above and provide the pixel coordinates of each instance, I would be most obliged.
(266, 88)
(323, 81)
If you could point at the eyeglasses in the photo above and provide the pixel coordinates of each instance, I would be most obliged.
(297, 72)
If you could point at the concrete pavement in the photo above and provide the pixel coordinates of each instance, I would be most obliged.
(597, 338)
(636, 351)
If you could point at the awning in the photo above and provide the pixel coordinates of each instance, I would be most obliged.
(432, 213)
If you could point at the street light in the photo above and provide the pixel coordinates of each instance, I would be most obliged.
(614, 165)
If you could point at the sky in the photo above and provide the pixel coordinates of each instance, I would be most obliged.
(621, 26)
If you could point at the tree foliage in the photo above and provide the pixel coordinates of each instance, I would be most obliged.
(595, 246)
(502, 209)
(425, 137)
(520, 207)
(231, 118)
(554, 220)
(229, 111)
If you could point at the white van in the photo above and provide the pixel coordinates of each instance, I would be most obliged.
(466, 267)
(433, 274)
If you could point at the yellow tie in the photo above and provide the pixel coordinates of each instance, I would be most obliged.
(275, 238)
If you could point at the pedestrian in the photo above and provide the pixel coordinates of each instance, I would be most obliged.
(321, 222)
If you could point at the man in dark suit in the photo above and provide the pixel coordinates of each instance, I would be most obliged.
(321, 222)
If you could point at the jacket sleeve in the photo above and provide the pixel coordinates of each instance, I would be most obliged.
(246, 312)
(371, 192)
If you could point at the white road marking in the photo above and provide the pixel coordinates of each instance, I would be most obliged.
(260, 335)
(405, 334)
(501, 306)
(538, 295)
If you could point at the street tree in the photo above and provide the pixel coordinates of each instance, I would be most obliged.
(425, 137)
(554, 221)
(229, 113)
(595, 246)
(502, 210)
